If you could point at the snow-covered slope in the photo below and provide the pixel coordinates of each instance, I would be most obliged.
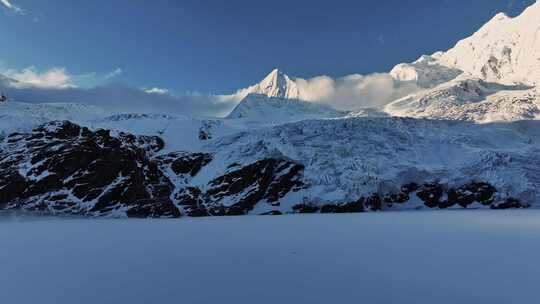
(179, 132)
(470, 99)
(505, 50)
(490, 76)
(426, 72)
(263, 109)
(18, 116)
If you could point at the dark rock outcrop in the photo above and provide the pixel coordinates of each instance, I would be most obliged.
(305, 208)
(192, 201)
(185, 163)
(265, 180)
(352, 207)
(509, 203)
(468, 194)
(374, 202)
(63, 168)
(431, 194)
(273, 212)
(435, 195)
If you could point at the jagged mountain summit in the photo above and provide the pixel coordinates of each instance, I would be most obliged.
(490, 76)
(505, 50)
(276, 84)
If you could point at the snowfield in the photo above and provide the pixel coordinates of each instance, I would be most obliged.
(393, 257)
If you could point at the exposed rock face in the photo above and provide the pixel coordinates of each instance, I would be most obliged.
(191, 199)
(268, 179)
(432, 195)
(63, 168)
(182, 163)
(466, 195)
(239, 190)
(353, 207)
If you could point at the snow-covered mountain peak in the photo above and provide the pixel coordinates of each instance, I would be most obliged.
(276, 84)
(274, 75)
(426, 72)
(490, 76)
(497, 20)
(505, 49)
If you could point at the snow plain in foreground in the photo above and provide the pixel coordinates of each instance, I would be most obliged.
(394, 257)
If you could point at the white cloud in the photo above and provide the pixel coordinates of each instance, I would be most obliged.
(156, 90)
(10, 6)
(355, 91)
(57, 85)
(121, 98)
(349, 93)
(316, 88)
(352, 92)
(31, 77)
(58, 78)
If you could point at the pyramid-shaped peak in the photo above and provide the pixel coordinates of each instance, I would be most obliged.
(277, 84)
(276, 71)
(276, 74)
(532, 11)
(496, 21)
(501, 16)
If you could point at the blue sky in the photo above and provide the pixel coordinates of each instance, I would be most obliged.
(220, 46)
